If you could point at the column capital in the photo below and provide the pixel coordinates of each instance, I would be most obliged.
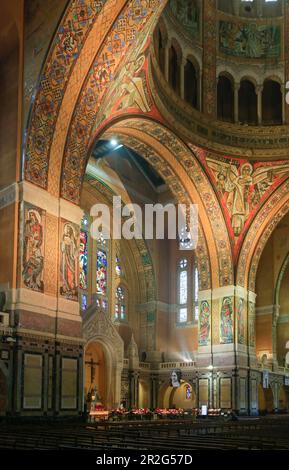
(237, 86)
(259, 88)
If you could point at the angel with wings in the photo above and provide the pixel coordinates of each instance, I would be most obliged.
(243, 188)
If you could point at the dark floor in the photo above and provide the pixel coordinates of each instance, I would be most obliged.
(263, 433)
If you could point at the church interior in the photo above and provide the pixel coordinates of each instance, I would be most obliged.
(156, 102)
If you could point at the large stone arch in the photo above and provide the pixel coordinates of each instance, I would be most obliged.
(279, 279)
(91, 36)
(276, 304)
(65, 112)
(138, 248)
(178, 165)
(275, 208)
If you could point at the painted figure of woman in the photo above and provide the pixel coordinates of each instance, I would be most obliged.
(227, 321)
(204, 327)
(68, 261)
(32, 256)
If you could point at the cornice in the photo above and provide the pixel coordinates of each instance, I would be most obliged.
(252, 142)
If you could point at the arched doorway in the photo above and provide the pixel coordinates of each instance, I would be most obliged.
(191, 85)
(225, 99)
(180, 397)
(143, 394)
(265, 400)
(271, 103)
(174, 66)
(283, 404)
(95, 371)
(247, 103)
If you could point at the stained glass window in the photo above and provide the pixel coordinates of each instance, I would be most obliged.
(183, 263)
(101, 272)
(116, 310)
(183, 287)
(84, 221)
(83, 302)
(120, 303)
(118, 271)
(101, 241)
(196, 293)
(83, 260)
(183, 291)
(183, 315)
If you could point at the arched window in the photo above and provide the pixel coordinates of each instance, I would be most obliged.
(83, 260)
(83, 263)
(118, 270)
(191, 84)
(247, 103)
(101, 272)
(183, 291)
(101, 279)
(174, 69)
(271, 103)
(120, 312)
(195, 291)
(225, 94)
(161, 50)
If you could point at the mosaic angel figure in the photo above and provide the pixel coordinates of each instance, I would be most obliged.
(242, 188)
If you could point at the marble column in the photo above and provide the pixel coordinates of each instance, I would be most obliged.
(209, 57)
(80, 383)
(259, 90)
(236, 101)
(18, 370)
(45, 380)
(133, 385)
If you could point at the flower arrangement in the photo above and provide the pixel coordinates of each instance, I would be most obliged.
(141, 411)
(169, 411)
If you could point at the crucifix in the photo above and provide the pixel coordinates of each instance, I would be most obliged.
(92, 365)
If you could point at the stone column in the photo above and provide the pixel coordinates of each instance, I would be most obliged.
(117, 395)
(236, 7)
(259, 8)
(10, 379)
(154, 391)
(284, 104)
(253, 382)
(286, 52)
(204, 358)
(80, 383)
(259, 90)
(251, 334)
(45, 380)
(57, 383)
(133, 385)
(274, 336)
(209, 57)
(275, 390)
(227, 350)
(236, 101)
(18, 371)
(223, 331)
